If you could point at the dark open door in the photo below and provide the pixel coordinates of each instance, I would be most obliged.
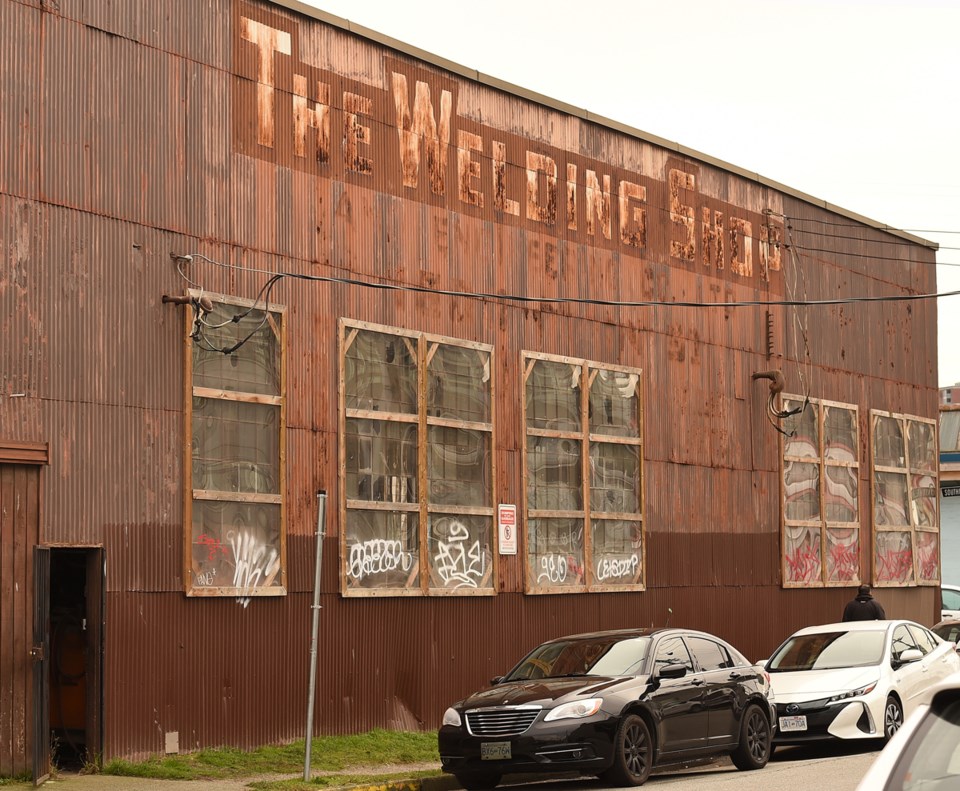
(40, 652)
(96, 573)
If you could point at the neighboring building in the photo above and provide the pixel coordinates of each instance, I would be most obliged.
(950, 395)
(549, 371)
(950, 492)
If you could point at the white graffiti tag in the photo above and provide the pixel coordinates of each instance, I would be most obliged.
(254, 563)
(457, 563)
(554, 568)
(617, 568)
(378, 556)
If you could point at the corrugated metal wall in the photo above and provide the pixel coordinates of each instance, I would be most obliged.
(129, 132)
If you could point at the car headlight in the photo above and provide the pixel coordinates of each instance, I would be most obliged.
(576, 710)
(854, 693)
(452, 717)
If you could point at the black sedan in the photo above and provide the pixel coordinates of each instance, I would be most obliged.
(612, 704)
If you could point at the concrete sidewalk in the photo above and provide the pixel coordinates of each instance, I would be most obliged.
(66, 781)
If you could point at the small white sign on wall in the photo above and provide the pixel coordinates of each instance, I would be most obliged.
(507, 523)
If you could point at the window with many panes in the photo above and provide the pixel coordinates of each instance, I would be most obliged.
(416, 463)
(235, 545)
(821, 519)
(906, 523)
(582, 462)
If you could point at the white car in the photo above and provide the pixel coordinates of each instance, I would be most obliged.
(949, 601)
(925, 752)
(855, 680)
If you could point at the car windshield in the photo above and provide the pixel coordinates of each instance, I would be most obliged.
(828, 651)
(584, 656)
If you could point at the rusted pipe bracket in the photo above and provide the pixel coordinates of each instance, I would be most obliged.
(775, 377)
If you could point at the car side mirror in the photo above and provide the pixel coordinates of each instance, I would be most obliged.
(495, 680)
(672, 671)
(910, 655)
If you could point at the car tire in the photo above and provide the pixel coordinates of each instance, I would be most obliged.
(892, 718)
(478, 781)
(632, 753)
(754, 749)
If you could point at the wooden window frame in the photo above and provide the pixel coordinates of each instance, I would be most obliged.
(589, 369)
(421, 343)
(909, 470)
(191, 495)
(822, 524)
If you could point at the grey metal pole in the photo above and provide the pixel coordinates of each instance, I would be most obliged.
(321, 530)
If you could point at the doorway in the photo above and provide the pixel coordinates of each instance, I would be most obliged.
(75, 659)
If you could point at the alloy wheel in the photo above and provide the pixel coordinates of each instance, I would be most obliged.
(636, 750)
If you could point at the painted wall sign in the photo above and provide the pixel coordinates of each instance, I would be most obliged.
(410, 140)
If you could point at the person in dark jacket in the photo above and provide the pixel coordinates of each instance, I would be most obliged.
(864, 607)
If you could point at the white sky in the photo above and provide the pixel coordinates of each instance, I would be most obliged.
(851, 101)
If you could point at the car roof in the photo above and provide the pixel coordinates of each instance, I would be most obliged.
(634, 632)
(853, 626)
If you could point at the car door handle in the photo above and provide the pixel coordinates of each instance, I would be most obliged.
(736, 676)
(697, 681)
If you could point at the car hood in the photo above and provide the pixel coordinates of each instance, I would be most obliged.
(547, 691)
(799, 685)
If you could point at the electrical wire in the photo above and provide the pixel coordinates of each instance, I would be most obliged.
(581, 300)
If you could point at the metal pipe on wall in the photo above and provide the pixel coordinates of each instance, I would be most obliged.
(315, 608)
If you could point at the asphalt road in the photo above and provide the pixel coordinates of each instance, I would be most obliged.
(834, 767)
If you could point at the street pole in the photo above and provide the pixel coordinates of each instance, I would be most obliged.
(321, 520)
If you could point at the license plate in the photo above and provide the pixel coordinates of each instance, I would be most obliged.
(495, 751)
(788, 724)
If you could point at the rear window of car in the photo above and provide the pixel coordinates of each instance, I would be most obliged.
(828, 650)
(931, 757)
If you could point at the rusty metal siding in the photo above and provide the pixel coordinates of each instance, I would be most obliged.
(144, 133)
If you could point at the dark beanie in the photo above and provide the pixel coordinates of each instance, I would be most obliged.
(864, 590)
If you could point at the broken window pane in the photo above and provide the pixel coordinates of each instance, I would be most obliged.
(383, 549)
(458, 466)
(553, 396)
(461, 551)
(381, 373)
(614, 404)
(555, 552)
(381, 461)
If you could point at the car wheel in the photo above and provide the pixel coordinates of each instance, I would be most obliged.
(754, 749)
(892, 718)
(632, 753)
(478, 781)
